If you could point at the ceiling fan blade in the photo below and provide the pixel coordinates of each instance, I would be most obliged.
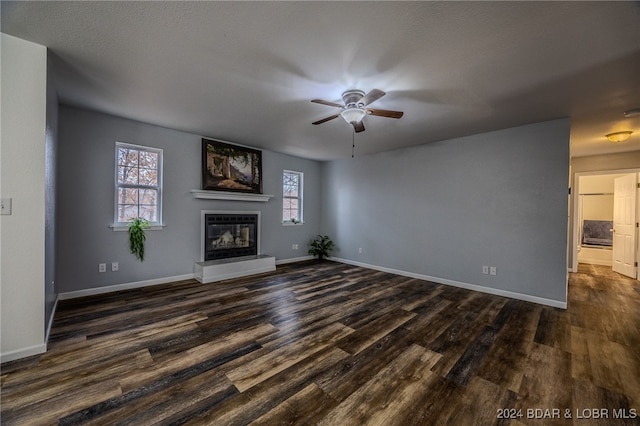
(371, 97)
(323, 102)
(358, 126)
(324, 120)
(385, 113)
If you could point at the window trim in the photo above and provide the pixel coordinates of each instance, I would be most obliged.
(124, 226)
(300, 198)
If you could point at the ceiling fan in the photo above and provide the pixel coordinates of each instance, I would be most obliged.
(354, 108)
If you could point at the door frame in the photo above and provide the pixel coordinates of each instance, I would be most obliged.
(575, 219)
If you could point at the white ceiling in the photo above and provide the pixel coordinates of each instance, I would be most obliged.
(245, 71)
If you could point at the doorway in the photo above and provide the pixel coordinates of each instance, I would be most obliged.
(600, 236)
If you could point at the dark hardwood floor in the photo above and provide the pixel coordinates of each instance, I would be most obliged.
(333, 344)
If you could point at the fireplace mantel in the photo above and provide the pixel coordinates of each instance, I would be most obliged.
(231, 196)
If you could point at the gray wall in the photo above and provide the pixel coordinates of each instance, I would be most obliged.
(50, 186)
(441, 210)
(446, 209)
(86, 202)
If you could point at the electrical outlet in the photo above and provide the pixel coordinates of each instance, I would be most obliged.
(485, 270)
(359, 249)
(102, 267)
(493, 270)
(5, 206)
(114, 266)
(294, 247)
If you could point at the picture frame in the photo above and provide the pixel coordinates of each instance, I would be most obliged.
(233, 168)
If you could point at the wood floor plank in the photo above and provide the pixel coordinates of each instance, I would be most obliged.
(176, 403)
(344, 378)
(219, 348)
(86, 358)
(273, 362)
(329, 343)
(419, 300)
(613, 366)
(260, 399)
(305, 407)
(455, 340)
(592, 396)
(132, 396)
(52, 410)
(481, 404)
(369, 334)
(505, 360)
(436, 404)
(38, 391)
(467, 365)
(380, 399)
(132, 337)
(548, 387)
(554, 329)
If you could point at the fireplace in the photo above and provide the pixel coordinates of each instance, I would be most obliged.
(230, 246)
(229, 234)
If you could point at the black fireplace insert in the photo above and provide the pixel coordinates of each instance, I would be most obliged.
(230, 235)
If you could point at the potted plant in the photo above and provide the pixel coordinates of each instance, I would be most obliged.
(321, 246)
(137, 237)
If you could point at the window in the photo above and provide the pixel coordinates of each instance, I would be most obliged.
(291, 197)
(138, 183)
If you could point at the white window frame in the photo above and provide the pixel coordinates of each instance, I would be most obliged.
(299, 198)
(124, 226)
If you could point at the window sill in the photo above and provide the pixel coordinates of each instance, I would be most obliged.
(120, 228)
(292, 224)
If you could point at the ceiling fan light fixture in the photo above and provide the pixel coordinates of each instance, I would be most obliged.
(352, 115)
(355, 106)
(619, 136)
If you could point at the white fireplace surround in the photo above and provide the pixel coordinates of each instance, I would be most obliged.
(203, 225)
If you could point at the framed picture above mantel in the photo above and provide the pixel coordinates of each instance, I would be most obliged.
(227, 167)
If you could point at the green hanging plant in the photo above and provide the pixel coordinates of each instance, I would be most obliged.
(137, 237)
(321, 246)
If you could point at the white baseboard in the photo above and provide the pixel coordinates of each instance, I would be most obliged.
(601, 262)
(23, 353)
(124, 286)
(293, 260)
(31, 350)
(474, 287)
(468, 286)
(146, 283)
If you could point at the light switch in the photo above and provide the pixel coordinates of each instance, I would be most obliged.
(5, 206)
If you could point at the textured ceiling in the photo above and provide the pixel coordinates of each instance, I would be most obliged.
(245, 71)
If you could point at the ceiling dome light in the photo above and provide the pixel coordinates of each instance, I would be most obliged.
(351, 115)
(632, 113)
(619, 136)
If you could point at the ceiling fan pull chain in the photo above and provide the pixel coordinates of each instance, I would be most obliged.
(353, 143)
